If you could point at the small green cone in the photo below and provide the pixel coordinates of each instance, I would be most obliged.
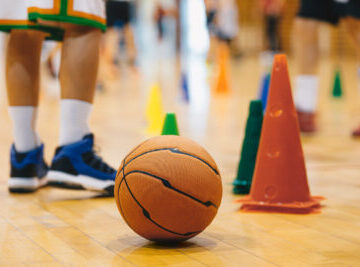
(337, 87)
(170, 125)
(242, 183)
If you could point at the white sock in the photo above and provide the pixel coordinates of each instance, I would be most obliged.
(25, 136)
(74, 116)
(306, 92)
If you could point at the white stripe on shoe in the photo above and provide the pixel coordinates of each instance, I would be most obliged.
(28, 184)
(85, 181)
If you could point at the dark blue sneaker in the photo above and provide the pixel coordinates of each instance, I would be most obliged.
(77, 166)
(28, 170)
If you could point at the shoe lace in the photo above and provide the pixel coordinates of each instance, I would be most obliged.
(95, 160)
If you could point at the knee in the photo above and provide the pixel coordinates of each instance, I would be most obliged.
(26, 35)
(76, 30)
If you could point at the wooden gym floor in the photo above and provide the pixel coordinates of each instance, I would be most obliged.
(55, 227)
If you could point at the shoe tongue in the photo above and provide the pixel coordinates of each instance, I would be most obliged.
(89, 138)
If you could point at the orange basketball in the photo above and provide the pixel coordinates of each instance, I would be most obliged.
(168, 189)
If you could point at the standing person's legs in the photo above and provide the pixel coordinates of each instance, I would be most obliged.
(22, 82)
(353, 27)
(75, 163)
(78, 74)
(307, 56)
(306, 83)
(272, 32)
(130, 44)
(28, 168)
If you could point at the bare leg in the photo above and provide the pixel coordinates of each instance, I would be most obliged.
(78, 76)
(23, 67)
(353, 27)
(130, 44)
(22, 82)
(306, 84)
(110, 50)
(79, 63)
(306, 45)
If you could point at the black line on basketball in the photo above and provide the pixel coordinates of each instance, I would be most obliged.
(173, 150)
(118, 190)
(167, 184)
(147, 215)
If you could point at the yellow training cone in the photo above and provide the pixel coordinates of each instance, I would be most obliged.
(154, 111)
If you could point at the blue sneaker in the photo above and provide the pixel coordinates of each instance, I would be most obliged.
(77, 166)
(28, 170)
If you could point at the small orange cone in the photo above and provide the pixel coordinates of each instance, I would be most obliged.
(222, 82)
(280, 180)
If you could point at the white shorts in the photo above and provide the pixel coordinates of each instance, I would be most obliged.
(26, 14)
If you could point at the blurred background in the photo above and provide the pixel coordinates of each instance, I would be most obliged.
(207, 59)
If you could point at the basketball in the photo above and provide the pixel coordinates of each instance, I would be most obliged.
(168, 189)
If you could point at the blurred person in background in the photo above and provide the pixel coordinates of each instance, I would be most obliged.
(163, 10)
(120, 33)
(223, 25)
(310, 14)
(272, 11)
(211, 12)
(227, 21)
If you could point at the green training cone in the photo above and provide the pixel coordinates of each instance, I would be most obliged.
(337, 87)
(170, 125)
(249, 150)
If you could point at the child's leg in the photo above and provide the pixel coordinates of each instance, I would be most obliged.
(28, 168)
(306, 83)
(353, 27)
(22, 81)
(78, 74)
(75, 162)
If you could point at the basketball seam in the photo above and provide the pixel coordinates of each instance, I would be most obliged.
(145, 212)
(173, 150)
(167, 184)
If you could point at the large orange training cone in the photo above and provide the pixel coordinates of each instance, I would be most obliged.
(280, 181)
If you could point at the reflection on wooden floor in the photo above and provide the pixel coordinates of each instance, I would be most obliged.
(60, 227)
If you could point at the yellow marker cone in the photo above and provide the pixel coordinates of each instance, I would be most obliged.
(154, 111)
(222, 82)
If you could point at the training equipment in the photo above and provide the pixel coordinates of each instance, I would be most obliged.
(185, 87)
(249, 150)
(168, 189)
(264, 89)
(28, 170)
(337, 86)
(222, 82)
(170, 125)
(280, 181)
(77, 166)
(154, 111)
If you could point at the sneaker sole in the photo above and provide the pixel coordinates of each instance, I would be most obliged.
(64, 180)
(25, 185)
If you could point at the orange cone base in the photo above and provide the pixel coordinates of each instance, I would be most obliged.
(311, 206)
